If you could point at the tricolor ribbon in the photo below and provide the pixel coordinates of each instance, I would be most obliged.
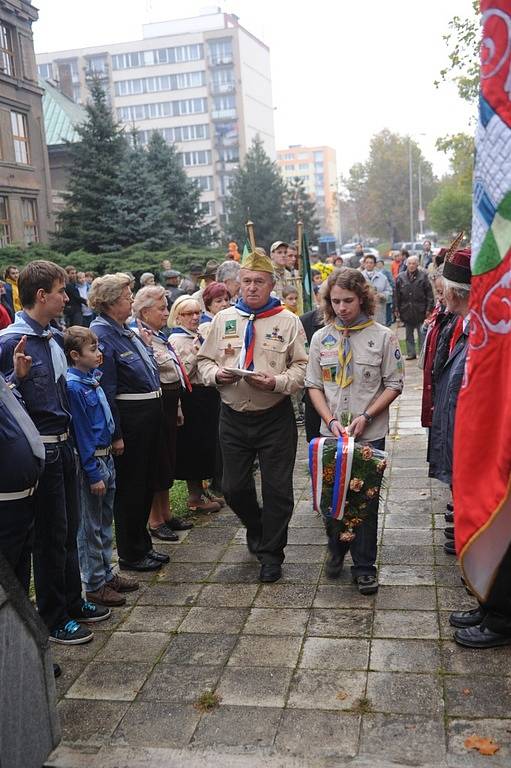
(343, 465)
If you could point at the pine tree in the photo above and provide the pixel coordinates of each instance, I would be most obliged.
(139, 204)
(88, 220)
(180, 196)
(301, 207)
(257, 193)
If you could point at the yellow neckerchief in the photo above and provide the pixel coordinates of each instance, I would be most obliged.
(344, 374)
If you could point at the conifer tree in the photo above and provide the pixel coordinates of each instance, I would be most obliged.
(300, 207)
(88, 220)
(257, 193)
(141, 212)
(180, 196)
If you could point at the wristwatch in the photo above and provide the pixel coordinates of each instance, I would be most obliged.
(367, 417)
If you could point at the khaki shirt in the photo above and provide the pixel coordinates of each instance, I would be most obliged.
(377, 365)
(279, 350)
(166, 365)
(283, 278)
(186, 347)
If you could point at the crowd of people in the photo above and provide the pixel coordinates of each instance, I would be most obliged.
(106, 398)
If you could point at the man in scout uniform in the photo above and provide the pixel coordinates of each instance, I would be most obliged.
(283, 276)
(258, 335)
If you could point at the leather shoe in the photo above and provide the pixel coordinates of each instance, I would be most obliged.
(449, 532)
(164, 532)
(146, 564)
(270, 572)
(466, 618)
(449, 507)
(449, 517)
(367, 583)
(449, 547)
(333, 567)
(178, 524)
(57, 671)
(480, 637)
(158, 556)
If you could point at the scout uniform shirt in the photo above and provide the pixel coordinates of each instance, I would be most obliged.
(377, 365)
(186, 346)
(279, 350)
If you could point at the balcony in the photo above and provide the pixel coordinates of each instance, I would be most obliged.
(220, 88)
(223, 114)
(220, 60)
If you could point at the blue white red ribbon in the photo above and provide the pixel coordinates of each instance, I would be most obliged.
(342, 475)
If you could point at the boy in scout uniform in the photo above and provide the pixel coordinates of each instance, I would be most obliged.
(354, 373)
(257, 335)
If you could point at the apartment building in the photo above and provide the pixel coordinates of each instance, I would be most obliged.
(203, 82)
(24, 176)
(317, 168)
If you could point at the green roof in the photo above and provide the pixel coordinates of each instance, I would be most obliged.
(61, 115)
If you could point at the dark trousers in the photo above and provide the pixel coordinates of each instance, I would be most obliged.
(135, 481)
(272, 437)
(497, 608)
(57, 579)
(410, 339)
(16, 535)
(364, 547)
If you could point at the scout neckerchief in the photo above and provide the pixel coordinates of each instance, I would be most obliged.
(92, 380)
(273, 307)
(344, 374)
(22, 327)
(185, 332)
(181, 370)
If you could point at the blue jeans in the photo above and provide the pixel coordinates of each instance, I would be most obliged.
(364, 547)
(95, 530)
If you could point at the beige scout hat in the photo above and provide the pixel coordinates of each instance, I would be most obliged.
(257, 261)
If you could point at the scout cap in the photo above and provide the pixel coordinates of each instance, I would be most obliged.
(257, 261)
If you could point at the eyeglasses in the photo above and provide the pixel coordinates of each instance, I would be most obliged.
(189, 314)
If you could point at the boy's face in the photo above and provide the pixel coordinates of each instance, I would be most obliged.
(291, 300)
(90, 356)
(317, 280)
(55, 300)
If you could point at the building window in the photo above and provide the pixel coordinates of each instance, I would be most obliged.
(200, 157)
(161, 109)
(45, 71)
(98, 65)
(30, 229)
(5, 231)
(161, 83)
(207, 208)
(303, 167)
(20, 137)
(220, 51)
(180, 53)
(6, 50)
(205, 183)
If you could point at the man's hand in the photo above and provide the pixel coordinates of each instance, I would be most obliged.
(118, 447)
(357, 426)
(98, 489)
(145, 334)
(336, 428)
(22, 362)
(264, 381)
(226, 377)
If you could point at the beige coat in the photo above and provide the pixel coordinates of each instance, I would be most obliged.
(279, 350)
(377, 365)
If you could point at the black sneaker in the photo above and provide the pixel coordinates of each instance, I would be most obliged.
(71, 633)
(91, 612)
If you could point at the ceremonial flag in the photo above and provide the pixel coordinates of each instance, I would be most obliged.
(246, 249)
(482, 442)
(307, 290)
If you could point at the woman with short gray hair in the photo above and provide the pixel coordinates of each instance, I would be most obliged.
(150, 310)
(229, 273)
(132, 385)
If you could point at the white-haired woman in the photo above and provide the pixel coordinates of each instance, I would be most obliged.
(150, 309)
(196, 439)
(132, 385)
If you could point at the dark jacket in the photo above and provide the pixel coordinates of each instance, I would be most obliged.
(73, 309)
(414, 297)
(444, 412)
(312, 321)
(7, 300)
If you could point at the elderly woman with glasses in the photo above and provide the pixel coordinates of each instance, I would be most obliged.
(132, 386)
(150, 310)
(196, 439)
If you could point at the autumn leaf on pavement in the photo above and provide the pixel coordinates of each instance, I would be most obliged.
(483, 746)
(342, 695)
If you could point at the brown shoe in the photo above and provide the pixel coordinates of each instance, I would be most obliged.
(204, 505)
(105, 595)
(122, 584)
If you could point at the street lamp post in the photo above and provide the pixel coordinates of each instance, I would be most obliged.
(410, 182)
(421, 210)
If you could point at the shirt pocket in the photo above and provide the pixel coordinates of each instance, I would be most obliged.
(35, 387)
(229, 350)
(91, 397)
(275, 353)
(368, 371)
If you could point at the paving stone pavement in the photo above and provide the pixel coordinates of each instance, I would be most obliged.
(308, 671)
